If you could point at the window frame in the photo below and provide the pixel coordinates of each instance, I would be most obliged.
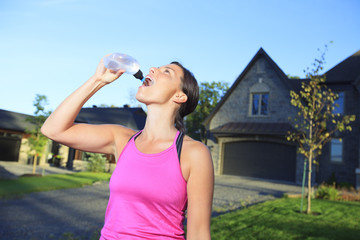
(343, 103)
(251, 105)
(341, 143)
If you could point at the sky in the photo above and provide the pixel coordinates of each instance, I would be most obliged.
(51, 47)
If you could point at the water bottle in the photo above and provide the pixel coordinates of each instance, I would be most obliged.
(120, 61)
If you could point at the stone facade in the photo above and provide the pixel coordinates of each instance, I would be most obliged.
(260, 78)
(24, 154)
(344, 171)
(262, 75)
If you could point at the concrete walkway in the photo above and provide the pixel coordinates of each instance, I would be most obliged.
(80, 212)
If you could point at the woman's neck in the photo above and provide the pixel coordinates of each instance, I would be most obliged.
(160, 123)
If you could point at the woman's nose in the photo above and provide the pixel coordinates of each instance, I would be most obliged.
(153, 70)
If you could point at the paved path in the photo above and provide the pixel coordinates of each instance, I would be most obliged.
(53, 214)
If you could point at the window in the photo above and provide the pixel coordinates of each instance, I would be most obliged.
(259, 104)
(339, 104)
(336, 150)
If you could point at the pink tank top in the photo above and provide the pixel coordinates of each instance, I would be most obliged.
(148, 196)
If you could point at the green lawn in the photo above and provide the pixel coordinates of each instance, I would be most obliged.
(22, 185)
(280, 219)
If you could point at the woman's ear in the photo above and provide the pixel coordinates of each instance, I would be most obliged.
(180, 97)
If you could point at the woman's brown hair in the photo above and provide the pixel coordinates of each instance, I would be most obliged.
(191, 88)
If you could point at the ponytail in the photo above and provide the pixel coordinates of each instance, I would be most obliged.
(179, 123)
(191, 89)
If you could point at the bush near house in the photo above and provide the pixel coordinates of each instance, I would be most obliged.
(327, 192)
(343, 192)
(96, 162)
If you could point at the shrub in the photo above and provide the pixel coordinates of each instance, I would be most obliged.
(96, 162)
(327, 192)
(350, 196)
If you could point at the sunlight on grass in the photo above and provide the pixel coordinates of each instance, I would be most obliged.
(23, 185)
(280, 219)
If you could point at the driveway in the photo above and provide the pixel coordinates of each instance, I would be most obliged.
(232, 192)
(80, 212)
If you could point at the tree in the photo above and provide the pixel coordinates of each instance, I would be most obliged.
(103, 105)
(292, 77)
(37, 141)
(316, 122)
(209, 95)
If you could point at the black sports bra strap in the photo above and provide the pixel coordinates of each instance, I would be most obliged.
(179, 142)
(135, 135)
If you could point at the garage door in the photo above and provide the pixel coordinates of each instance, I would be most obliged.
(261, 160)
(9, 148)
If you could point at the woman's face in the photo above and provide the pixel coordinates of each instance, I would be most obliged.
(160, 85)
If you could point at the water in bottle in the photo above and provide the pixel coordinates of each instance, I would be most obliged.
(120, 61)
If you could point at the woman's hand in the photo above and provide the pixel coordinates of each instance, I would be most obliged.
(106, 75)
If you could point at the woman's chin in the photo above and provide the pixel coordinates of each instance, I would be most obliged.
(141, 99)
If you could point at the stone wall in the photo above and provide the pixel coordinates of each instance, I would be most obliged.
(24, 154)
(259, 78)
(344, 171)
(237, 108)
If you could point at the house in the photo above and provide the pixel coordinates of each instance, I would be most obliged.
(246, 130)
(133, 118)
(13, 137)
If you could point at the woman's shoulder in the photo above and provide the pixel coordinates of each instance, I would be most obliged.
(194, 148)
(197, 159)
(121, 133)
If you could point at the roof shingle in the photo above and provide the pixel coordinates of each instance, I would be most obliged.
(253, 128)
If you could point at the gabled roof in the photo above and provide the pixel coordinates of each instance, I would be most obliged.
(346, 71)
(130, 117)
(260, 53)
(14, 121)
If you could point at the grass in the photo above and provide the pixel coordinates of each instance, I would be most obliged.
(23, 185)
(280, 219)
(277, 219)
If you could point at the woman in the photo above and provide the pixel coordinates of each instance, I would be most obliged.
(158, 174)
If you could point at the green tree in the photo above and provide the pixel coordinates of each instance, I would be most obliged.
(37, 141)
(103, 105)
(316, 121)
(209, 95)
(292, 77)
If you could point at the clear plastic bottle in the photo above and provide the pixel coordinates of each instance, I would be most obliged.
(121, 61)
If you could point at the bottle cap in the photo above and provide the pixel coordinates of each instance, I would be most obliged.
(139, 75)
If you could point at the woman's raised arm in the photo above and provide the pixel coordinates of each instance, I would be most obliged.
(61, 128)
